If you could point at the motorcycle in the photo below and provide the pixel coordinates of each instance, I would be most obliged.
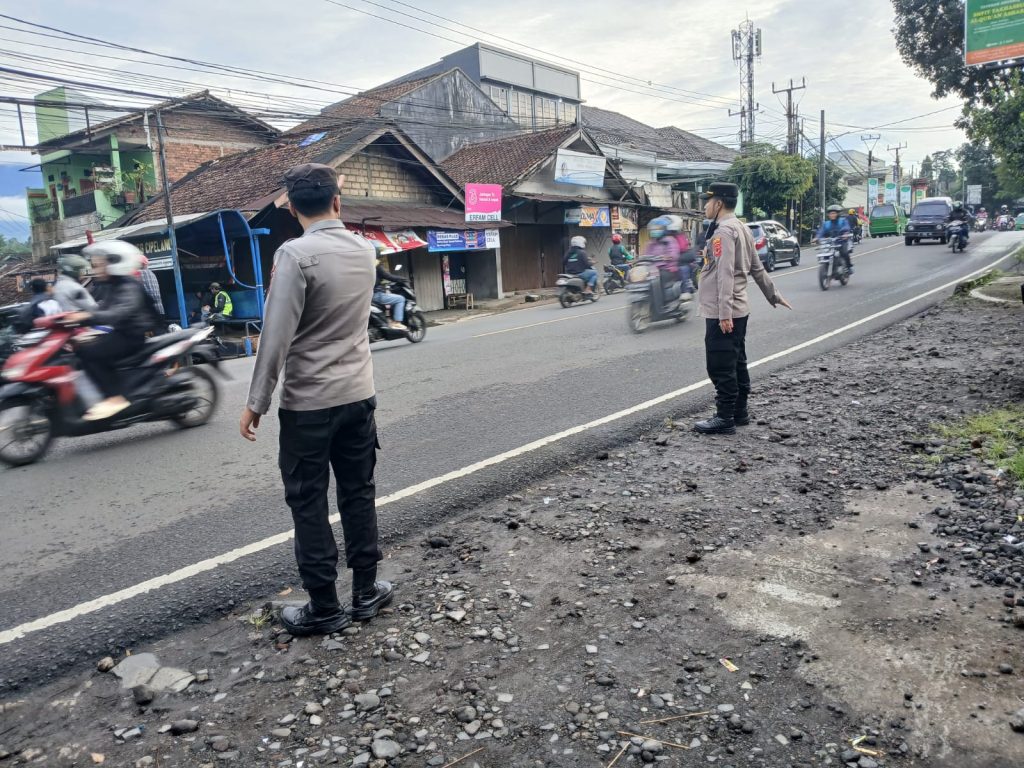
(650, 300)
(379, 327)
(831, 266)
(981, 224)
(45, 396)
(1004, 223)
(956, 235)
(572, 290)
(614, 278)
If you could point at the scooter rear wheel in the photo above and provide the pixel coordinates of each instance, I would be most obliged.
(204, 389)
(639, 316)
(417, 325)
(25, 432)
(564, 300)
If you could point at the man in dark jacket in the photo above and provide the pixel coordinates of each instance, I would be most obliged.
(578, 262)
(126, 311)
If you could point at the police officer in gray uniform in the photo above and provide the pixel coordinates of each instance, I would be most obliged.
(729, 256)
(315, 329)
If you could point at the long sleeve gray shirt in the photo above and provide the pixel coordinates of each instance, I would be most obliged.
(314, 326)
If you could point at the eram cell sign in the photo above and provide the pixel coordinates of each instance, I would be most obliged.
(993, 31)
(483, 202)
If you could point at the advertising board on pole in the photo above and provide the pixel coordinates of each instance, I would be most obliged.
(974, 194)
(993, 31)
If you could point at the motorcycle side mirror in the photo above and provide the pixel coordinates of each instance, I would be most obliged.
(398, 268)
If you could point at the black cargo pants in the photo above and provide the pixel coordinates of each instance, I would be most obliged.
(726, 355)
(343, 438)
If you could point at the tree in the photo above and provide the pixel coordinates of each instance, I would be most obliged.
(977, 166)
(927, 168)
(1001, 127)
(944, 174)
(810, 203)
(930, 38)
(10, 246)
(770, 178)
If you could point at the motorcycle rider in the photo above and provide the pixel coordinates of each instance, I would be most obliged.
(837, 226)
(129, 313)
(617, 254)
(960, 214)
(663, 249)
(578, 262)
(42, 304)
(687, 254)
(68, 290)
(854, 219)
(381, 295)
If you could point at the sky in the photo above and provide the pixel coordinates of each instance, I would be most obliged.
(663, 62)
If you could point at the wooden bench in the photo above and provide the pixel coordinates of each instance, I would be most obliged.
(463, 299)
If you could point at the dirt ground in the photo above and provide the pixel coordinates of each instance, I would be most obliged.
(838, 584)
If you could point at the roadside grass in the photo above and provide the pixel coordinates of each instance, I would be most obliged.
(998, 436)
(989, 277)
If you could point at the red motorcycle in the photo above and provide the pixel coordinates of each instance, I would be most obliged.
(44, 395)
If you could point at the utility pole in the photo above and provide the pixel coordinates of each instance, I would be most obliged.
(898, 170)
(821, 165)
(791, 133)
(746, 48)
(791, 116)
(874, 138)
(162, 135)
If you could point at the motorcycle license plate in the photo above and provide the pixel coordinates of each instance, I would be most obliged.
(561, 281)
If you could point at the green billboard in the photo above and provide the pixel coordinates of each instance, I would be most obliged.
(994, 31)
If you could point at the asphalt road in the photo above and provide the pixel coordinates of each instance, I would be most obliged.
(101, 514)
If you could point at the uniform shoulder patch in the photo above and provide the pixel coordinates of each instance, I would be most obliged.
(716, 247)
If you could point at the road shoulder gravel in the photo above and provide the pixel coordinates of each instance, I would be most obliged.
(841, 584)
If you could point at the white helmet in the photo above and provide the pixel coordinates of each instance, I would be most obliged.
(578, 242)
(123, 259)
(675, 223)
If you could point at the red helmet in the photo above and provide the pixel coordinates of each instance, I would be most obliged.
(616, 238)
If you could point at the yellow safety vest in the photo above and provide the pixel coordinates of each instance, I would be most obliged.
(228, 307)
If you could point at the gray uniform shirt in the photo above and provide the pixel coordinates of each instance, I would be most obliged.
(314, 327)
(72, 296)
(729, 256)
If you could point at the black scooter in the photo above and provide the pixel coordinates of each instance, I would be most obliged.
(650, 300)
(614, 277)
(379, 326)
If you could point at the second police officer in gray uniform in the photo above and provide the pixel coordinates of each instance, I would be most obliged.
(315, 329)
(729, 256)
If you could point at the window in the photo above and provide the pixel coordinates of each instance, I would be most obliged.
(569, 113)
(929, 209)
(499, 96)
(520, 108)
(880, 211)
(545, 111)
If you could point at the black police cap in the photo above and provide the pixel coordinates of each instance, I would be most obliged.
(721, 189)
(311, 175)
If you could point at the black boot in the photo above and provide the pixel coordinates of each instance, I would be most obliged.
(322, 615)
(368, 594)
(716, 425)
(742, 417)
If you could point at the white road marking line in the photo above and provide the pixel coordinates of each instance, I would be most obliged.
(188, 571)
(775, 276)
(546, 322)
